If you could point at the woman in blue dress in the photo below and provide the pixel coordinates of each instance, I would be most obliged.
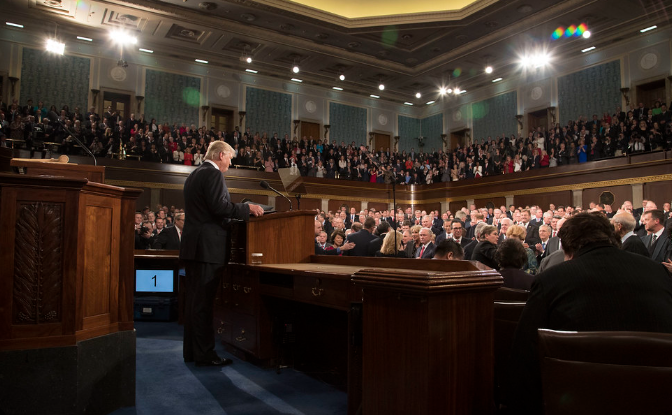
(581, 151)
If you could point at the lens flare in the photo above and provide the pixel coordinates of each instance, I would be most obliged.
(557, 34)
(457, 72)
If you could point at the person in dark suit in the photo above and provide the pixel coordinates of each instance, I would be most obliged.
(448, 250)
(170, 237)
(362, 238)
(599, 288)
(204, 249)
(624, 225)
(426, 249)
(658, 240)
(381, 230)
(511, 257)
(532, 232)
(321, 251)
(484, 251)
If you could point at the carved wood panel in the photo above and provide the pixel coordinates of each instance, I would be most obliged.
(38, 270)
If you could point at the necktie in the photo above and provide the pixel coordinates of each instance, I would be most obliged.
(543, 245)
(652, 246)
(422, 251)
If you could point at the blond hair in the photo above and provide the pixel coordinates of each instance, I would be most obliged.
(517, 232)
(217, 147)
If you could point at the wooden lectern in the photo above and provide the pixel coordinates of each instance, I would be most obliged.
(67, 343)
(52, 167)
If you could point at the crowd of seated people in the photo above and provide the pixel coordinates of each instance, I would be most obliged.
(480, 234)
(639, 130)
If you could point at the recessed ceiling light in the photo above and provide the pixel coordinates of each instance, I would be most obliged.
(146, 50)
(374, 96)
(250, 70)
(648, 28)
(338, 88)
(464, 91)
(587, 49)
(381, 87)
(56, 47)
(88, 39)
(297, 80)
(449, 90)
(586, 34)
(408, 103)
(295, 69)
(431, 102)
(249, 59)
(496, 79)
(442, 90)
(488, 69)
(123, 38)
(341, 77)
(20, 26)
(200, 61)
(418, 95)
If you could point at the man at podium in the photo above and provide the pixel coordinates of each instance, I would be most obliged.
(208, 210)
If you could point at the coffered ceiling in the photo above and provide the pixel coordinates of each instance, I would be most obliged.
(410, 46)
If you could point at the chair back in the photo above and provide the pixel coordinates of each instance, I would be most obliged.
(511, 294)
(606, 372)
(506, 316)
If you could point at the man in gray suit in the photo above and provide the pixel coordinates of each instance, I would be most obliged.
(624, 226)
(657, 241)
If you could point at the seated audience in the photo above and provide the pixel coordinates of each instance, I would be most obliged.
(518, 232)
(449, 249)
(484, 251)
(511, 257)
(388, 248)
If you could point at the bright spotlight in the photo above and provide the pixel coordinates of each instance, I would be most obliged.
(341, 77)
(381, 87)
(457, 91)
(56, 47)
(418, 95)
(249, 59)
(123, 38)
(542, 59)
(295, 69)
(449, 90)
(586, 34)
(442, 90)
(488, 69)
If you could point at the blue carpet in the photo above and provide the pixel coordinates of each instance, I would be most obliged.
(166, 385)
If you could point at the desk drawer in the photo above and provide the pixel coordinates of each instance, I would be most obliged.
(322, 291)
(244, 294)
(244, 334)
(222, 325)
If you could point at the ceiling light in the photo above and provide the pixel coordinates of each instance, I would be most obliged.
(587, 49)
(449, 90)
(408, 103)
(418, 95)
(250, 70)
(337, 88)
(381, 87)
(456, 91)
(341, 77)
(496, 79)
(20, 26)
(431, 102)
(463, 91)
(442, 90)
(88, 39)
(146, 50)
(56, 47)
(648, 28)
(374, 96)
(295, 69)
(488, 69)
(249, 59)
(123, 37)
(200, 61)
(297, 80)
(586, 34)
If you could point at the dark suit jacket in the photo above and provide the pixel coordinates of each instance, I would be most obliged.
(469, 249)
(361, 240)
(662, 245)
(484, 252)
(429, 251)
(601, 289)
(516, 278)
(208, 210)
(532, 237)
(167, 239)
(635, 245)
(375, 245)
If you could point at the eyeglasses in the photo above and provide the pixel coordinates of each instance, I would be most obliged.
(456, 229)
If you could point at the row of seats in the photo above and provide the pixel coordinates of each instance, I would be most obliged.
(588, 372)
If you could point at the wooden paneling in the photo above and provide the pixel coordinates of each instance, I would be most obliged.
(282, 205)
(456, 205)
(144, 199)
(172, 197)
(659, 192)
(428, 207)
(378, 206)
(496, 201)
(296, 228)
(621, 194)
(98, 253)
(310, 129)
(335, 205)
(239, 197)
(544, 199)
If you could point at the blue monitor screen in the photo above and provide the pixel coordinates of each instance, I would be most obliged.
(154, 280)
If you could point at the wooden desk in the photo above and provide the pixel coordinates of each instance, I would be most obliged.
(417, 334)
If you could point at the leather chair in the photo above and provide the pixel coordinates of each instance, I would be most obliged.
(606, 372)
(506, 317)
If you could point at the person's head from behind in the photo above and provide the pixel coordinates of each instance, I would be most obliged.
(449, 249)
(516, 231)
(220, 153)
(369, 224)
(389, 247)
(382, 228)
(511, 254)
(584, 230)
(623, 223)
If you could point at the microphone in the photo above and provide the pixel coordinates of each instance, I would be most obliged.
(265, 185)
(77, 140)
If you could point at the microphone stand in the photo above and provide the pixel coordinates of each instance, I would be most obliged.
(298, 200)
(265, 185)
(74, 136)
